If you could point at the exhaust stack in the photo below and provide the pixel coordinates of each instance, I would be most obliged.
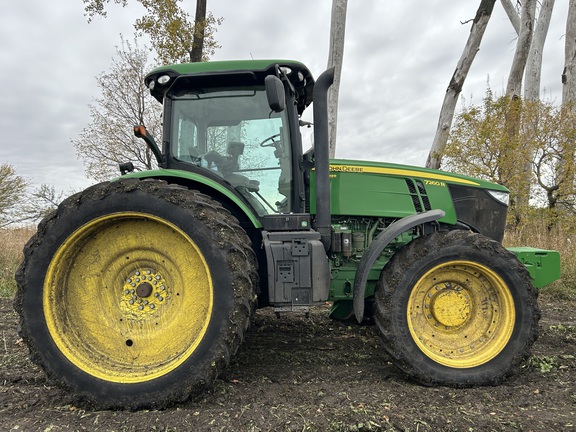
(321, 155)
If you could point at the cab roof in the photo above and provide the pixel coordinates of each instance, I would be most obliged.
(216, 73)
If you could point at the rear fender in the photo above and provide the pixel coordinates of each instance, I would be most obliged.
(226, 195)
(377, 247)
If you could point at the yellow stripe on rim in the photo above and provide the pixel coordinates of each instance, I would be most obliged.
(128, 297)
(461, 314)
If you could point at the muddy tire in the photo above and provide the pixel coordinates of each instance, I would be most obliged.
(457, 309)
(135, 294)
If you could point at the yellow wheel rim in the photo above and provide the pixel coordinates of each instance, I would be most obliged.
(461, 314)
(128, 297)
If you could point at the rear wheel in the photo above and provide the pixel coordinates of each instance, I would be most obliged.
(136, 293)
(456, 308)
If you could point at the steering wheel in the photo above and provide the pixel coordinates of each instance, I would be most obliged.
(270, 138)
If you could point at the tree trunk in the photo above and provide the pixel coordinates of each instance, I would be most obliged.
(512, 14)
(514, 86)
(569, 73)
(515, 158)
(455, 87)
(335, 58)
(534, 64)
(199, 27)
(564, 168)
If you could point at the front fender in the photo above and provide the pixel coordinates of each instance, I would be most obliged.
(377, 247)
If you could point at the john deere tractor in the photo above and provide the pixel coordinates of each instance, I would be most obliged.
(138, 291)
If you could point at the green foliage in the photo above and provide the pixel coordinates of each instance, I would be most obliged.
(527, 146)
(543, 363)
(477, 141)
(173, 33)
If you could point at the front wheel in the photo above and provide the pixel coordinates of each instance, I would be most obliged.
(456, 308)
(136, 293)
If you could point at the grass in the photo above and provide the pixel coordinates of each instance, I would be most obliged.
(12, 241)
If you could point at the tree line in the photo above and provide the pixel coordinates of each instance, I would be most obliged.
(515, 139)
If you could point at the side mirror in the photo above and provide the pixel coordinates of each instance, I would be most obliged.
(275, 93)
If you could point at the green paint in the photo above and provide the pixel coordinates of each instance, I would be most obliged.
(364, 188)
(196, 178)
(543, 265)
(225, 66)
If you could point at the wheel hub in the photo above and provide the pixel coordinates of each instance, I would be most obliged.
(144, 290)
(451, 307)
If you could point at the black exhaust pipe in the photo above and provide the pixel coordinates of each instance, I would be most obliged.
(321, 155)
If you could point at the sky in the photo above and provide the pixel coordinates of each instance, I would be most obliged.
(399, 56)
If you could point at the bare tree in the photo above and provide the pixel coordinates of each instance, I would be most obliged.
(514, 86)
(512, 13)
(527, 65)
(533, 72)
(335, 58)
(565, 166)
(533, 69)
(125, 102)
(455, 87)
(569, 73)
(41, 201)
(12, 195)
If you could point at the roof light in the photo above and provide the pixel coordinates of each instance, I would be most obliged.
(151, 85)
(163, 79)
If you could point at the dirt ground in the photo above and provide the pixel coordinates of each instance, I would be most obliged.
(314, 374)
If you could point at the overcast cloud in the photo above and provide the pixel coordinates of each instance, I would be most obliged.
(399, 57)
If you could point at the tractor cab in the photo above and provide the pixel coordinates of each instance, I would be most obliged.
(235, 126)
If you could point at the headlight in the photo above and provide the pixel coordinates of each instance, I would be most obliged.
(503, 197)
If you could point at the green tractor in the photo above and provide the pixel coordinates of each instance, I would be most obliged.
(137, 292)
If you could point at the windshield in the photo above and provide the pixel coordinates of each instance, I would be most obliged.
(234, 133)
